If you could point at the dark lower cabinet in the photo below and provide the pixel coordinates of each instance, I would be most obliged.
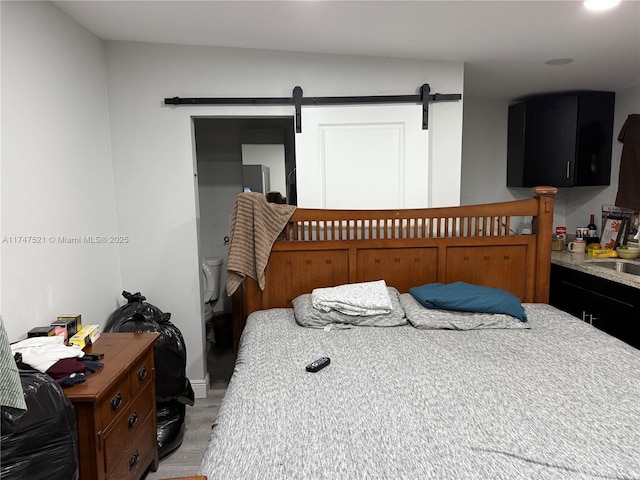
(609, 306)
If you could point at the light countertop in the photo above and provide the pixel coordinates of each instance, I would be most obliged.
(583, 263)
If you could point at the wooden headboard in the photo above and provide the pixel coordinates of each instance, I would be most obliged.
(406, 248)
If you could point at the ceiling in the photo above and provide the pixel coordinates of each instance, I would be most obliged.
(504, 44)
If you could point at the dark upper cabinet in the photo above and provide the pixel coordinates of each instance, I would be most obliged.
(562, 140)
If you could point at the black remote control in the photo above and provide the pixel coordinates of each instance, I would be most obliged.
(93, 356)
(318, 364)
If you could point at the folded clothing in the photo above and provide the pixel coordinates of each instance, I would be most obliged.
(466, 297)
(357, 299)
(67, 366)
(41, 353)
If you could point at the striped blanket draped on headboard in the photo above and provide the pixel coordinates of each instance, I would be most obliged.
(255, 226)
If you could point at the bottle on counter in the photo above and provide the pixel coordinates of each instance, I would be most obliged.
(593, 230)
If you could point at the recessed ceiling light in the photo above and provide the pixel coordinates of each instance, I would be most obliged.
(559, 61)
(600, 4)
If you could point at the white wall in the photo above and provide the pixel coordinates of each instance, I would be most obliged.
(484, 152)
(56, 171)
(484, 158)
(153, 152)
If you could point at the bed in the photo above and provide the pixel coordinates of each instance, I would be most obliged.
(553, 398)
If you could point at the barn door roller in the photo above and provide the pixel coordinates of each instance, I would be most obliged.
(298, 100)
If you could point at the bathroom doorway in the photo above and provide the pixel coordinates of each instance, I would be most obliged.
(219, 146)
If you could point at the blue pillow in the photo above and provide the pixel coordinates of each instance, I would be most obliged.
(465, 297)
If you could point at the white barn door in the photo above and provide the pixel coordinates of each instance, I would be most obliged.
(362, 157)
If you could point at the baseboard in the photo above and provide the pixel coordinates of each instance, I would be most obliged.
(200, 387)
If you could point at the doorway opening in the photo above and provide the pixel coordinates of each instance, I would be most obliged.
(226, 148)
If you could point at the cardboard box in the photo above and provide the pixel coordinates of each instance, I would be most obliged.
(602, 253)
(85, 337)
(67, 326)
(47, 331)
(77, 318)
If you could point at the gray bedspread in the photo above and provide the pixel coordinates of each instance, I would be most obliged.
(558, 401)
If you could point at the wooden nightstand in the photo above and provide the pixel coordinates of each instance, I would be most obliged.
(116, 409)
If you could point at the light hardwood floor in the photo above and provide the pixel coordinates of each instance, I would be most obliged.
(185, 460)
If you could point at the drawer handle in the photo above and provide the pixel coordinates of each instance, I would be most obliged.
(133, 419)
(134, 460)
(142, 373)
(116, 402)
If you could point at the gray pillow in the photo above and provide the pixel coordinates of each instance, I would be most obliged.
(433, 319)
(308, 316)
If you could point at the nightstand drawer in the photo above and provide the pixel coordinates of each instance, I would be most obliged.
(126, 428)
(115, 401)
(141, 374)
(137, 454)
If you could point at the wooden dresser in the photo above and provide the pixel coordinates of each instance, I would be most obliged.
(116, 409)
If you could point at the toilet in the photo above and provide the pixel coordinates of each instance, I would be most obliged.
(211, 272)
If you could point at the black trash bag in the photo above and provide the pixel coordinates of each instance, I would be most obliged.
(42, 443)
(170, 352)
(135, 304)
(170, 432)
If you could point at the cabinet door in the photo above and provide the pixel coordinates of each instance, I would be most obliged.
(610, 315)
(562, 140)
(594, 135)
(608, 306)
(551, 141)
